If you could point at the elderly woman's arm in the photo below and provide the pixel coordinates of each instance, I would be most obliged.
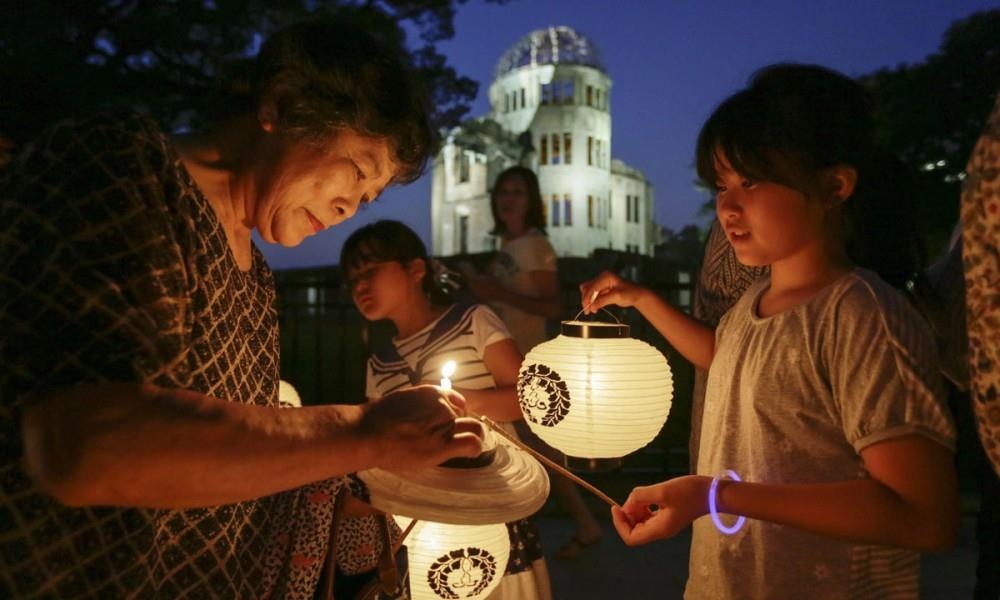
(140, 445)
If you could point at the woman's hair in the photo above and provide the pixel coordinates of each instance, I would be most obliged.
(793, 120)
(535, 216)
(328, 74)
(385, 241)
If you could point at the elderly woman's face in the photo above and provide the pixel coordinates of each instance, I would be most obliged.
(301, 190)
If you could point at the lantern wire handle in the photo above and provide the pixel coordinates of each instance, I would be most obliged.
(617, 321)
(548, 462)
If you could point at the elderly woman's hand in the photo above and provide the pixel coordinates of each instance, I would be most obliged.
(420, 426)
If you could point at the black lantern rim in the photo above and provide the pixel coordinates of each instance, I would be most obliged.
(598, 330)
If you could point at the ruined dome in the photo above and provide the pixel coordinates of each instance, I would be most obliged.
(553, 45)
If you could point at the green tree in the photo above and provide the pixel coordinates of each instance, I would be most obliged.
(683, 248)
(932, 113)
(60, 58)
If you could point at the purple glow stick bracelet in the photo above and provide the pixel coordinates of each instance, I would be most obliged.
(714, 509)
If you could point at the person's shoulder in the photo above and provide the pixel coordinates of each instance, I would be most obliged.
(863, 295)
(91, 149)
(104, 131)
(537, 238)
(486, 320)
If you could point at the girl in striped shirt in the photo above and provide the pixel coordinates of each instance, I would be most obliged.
(390, 278)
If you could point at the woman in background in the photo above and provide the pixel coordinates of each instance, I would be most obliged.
(523, 288)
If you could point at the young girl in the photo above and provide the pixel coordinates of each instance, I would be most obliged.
(823, 393)
(523, 287)
(387, 268)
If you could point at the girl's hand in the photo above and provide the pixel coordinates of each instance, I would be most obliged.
(608, 288)
(678, 502)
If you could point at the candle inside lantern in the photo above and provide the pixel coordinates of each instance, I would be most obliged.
(446, 372)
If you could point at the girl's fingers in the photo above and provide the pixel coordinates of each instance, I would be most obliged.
(623, 525)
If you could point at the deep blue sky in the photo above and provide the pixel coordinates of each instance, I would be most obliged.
(671, 62)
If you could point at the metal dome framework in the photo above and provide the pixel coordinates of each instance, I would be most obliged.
(553, 45)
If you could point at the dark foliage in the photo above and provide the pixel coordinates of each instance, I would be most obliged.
(59, 59)
(932, 113)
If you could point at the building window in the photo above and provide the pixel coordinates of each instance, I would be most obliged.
(568, 147)
(462, 165)
(597, 98)
(590, 150)
(506, 103)
(567, 210)
(590, 211)
(567, 91)
(609, 206)
(590, 95)
(544, 160)
(598, 157)
(463, 234)
(555, 210)
(522, 98)
(546, 93)
(555, 148)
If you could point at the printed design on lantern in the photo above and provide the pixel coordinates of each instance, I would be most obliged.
(543, 395)
(462, 573)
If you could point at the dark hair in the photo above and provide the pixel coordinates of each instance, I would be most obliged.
(535, 217)
(794, 120)
(383, 241)
(349, 70)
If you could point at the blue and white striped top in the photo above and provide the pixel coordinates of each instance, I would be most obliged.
(461, 334)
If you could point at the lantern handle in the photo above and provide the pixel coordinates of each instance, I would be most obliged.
(617, 322)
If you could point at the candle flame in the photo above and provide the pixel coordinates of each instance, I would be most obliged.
(448, 369)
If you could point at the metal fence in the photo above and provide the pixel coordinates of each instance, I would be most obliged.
(324, 349)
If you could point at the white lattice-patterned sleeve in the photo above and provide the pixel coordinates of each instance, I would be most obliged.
(90, 264)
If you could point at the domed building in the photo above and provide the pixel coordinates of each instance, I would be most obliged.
(551, 111)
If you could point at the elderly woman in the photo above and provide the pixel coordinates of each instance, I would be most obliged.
(143, 452)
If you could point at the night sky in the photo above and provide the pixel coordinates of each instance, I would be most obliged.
(670, 63)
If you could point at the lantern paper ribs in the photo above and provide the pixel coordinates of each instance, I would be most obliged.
(595, 397)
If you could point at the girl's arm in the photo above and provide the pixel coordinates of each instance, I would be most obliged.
(500, 403)
(545, 304)
(693, 339)
(910, 501)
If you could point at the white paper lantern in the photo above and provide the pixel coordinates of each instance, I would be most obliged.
(455, 561)
(593, 392)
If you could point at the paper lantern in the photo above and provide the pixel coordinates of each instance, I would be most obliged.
(593, 392)
(455, 561)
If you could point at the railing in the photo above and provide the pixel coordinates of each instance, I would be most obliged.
(324, 349)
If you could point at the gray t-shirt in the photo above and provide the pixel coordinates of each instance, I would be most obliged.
(794, 398)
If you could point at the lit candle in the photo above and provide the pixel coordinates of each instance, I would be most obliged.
(446, 372)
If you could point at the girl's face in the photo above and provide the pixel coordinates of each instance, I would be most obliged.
(383, 290)
(511, 198)
(765, 222)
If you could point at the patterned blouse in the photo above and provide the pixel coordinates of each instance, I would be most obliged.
(981, 259)
(114, 267)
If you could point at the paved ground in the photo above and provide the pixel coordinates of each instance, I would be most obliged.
(612, 570)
